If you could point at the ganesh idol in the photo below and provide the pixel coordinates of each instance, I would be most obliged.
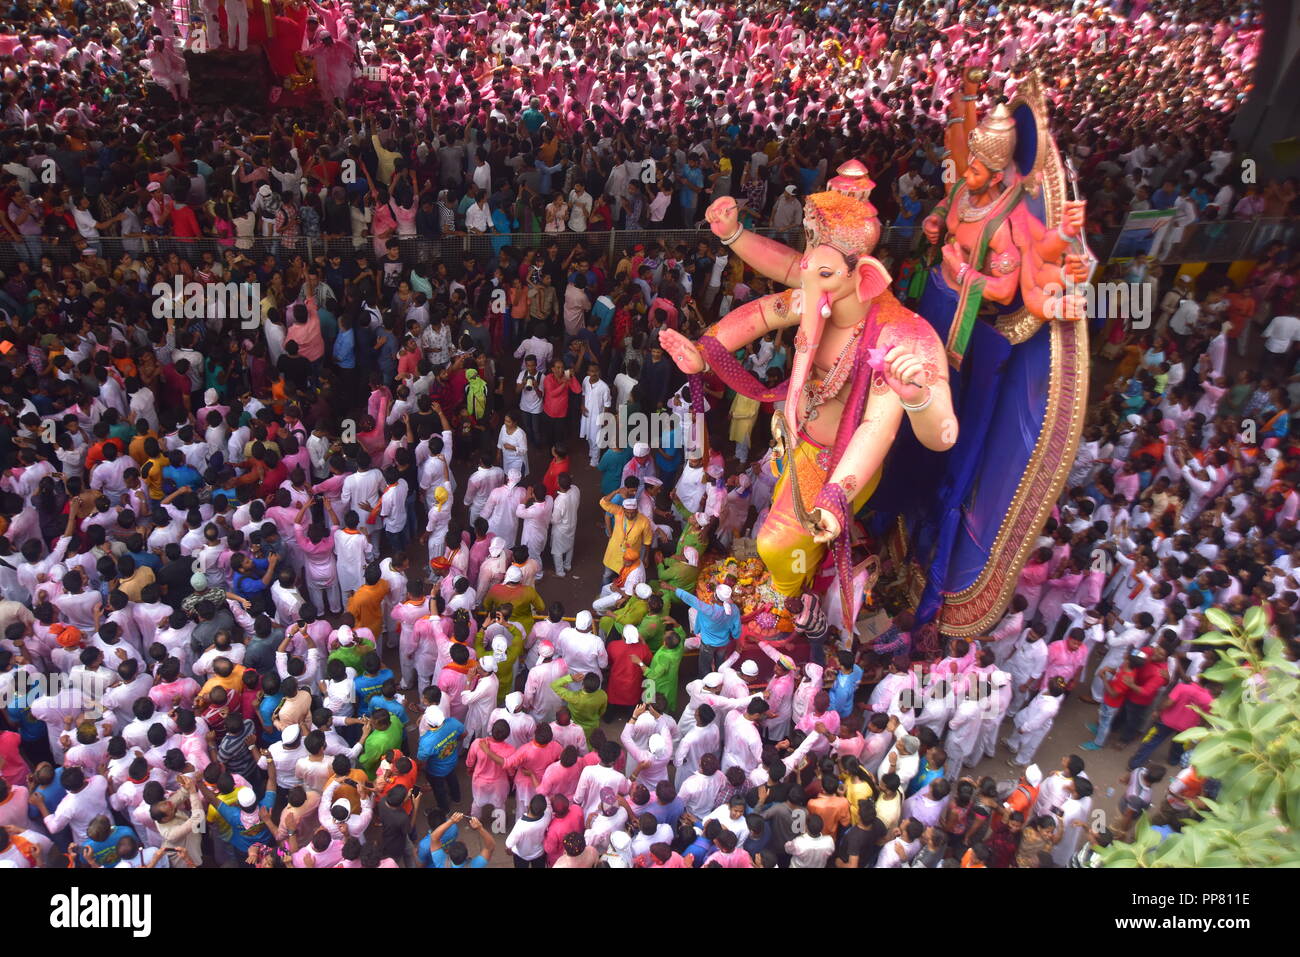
(863, 364)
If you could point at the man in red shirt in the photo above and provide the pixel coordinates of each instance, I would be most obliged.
(185, 225)
(1183, 707)
(1114, 693)
(1151, 675)
(556, 388)
(176, 385)
(95, 454)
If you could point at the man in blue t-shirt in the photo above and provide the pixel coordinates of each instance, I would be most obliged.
(366, 686)
(692, 184)
(252, 576)
(439, 752)
(454, 853)
(248, 817)
(100, 847)
(845, 685)
(427, 847)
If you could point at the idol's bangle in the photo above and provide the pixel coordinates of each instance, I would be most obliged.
(929, 397)
(734, 236)
(704, 359)
(961, 273)
(1068, 240)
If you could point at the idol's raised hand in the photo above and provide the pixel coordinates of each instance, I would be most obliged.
(682, 350)
(723, 216)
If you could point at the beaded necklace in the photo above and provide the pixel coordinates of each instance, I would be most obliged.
(820, 393)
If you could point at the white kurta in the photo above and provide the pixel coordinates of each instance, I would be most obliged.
(351, 551)
(500, 513)
(479, 703)
(518, 457)
(595, 400)
(1032, 725)
(564, 519)
(537, 522)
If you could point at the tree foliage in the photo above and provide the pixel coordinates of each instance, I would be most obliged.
(1251, 744)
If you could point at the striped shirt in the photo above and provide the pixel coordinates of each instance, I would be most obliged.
(235, 752)
(811, 622)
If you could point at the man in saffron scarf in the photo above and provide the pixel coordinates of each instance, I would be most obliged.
(625, 583)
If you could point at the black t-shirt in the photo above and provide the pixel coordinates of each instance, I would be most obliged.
(424, 424)
(394, 824)
(295, 369)
(175, 578)
(862, 841)
(393, 271)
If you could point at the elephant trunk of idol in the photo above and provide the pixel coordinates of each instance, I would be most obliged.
(816, 310)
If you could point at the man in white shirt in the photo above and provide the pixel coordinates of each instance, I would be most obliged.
(579, 208)
(564, 524)
(478, 218)
(811, 848)
(581, 650)
(1281, 333)
(86, 800)
(743, 744)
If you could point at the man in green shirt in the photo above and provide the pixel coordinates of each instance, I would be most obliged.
(533, 117)
(352, 649)
(629, 611)
(655, 623)
(662, 670)
(585, 706)
(679, 571)
(499, 625)
(382, 735)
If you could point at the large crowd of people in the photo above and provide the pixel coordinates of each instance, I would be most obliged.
(280, 581)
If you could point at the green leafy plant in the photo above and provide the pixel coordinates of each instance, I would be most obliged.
(1251, 744)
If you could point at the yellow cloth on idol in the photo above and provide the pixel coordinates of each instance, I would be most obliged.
(789, 552)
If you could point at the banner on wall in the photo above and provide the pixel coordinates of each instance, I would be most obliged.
(1140, 232)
